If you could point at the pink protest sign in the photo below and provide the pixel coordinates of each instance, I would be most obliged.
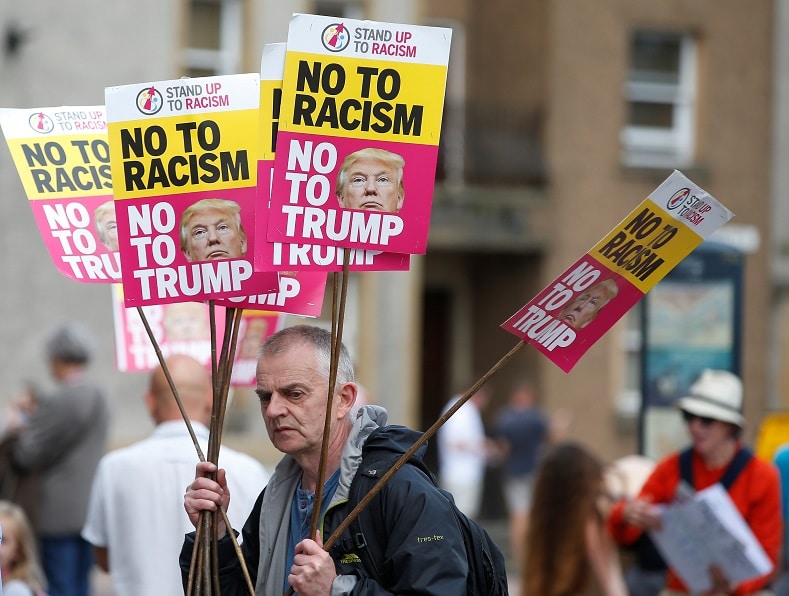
(185, 173)
(178, 328)
(300, 293)
(317, 257)
(63, 159)
(578, 307)
(255, 327)
(277, 255)
(357, 142)
(184, 328)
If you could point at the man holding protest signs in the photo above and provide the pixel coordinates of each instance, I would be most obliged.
(424, 549)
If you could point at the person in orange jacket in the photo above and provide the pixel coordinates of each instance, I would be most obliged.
(713, 415)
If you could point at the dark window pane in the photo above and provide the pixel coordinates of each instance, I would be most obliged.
(204, 25)
(643, 113)
(194, 73)
(654, 57)
(330, 9)
(503, 144)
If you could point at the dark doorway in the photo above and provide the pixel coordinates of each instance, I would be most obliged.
(435, 388)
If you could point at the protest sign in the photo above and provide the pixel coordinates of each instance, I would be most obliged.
(185, 173)
(178, 328)
(256, 326)
(578, 307)
(353, 86)
(184, 328)
(300, 293)
(277, 255)
(63, 159)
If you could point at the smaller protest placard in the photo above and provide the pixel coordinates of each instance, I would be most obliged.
(272, 256)
(357, 139)
(255, 327)
(177, 327)
(706, 530)
(566, 318)
(300, 293)
(185, 181)
(62, 156)
(184, 328)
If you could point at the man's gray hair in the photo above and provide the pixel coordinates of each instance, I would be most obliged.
(320, 339)
(69, 342)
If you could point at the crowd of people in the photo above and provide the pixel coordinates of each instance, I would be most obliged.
(576, 524)
(579, 525)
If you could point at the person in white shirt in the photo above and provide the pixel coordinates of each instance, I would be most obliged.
(463, 452)
(137, 534)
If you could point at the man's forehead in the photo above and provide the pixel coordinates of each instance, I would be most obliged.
(296, 359)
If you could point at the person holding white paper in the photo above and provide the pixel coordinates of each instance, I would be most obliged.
(713, 413)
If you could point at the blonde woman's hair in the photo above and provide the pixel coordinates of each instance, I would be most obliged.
(26, 566)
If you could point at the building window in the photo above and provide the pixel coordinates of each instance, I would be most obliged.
(629, 399)
(214, 42)
(340, 9)
(661, 100)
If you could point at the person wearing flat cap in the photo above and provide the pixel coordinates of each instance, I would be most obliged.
(713, 414)
(62, 435)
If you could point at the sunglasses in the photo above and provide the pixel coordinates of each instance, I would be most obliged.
(705, 421)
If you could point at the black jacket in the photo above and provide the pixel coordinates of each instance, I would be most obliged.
(424, 551)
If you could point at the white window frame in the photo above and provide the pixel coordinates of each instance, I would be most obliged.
(628, 401)
(227, 59)
(648, 146)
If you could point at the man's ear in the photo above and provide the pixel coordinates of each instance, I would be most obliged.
(345, 398)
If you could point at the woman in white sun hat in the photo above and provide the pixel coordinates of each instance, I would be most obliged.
(713, 414)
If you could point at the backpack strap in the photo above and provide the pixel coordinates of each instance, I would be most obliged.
(737, 465)
(366, 530)
(686, 466)
(356, 540)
